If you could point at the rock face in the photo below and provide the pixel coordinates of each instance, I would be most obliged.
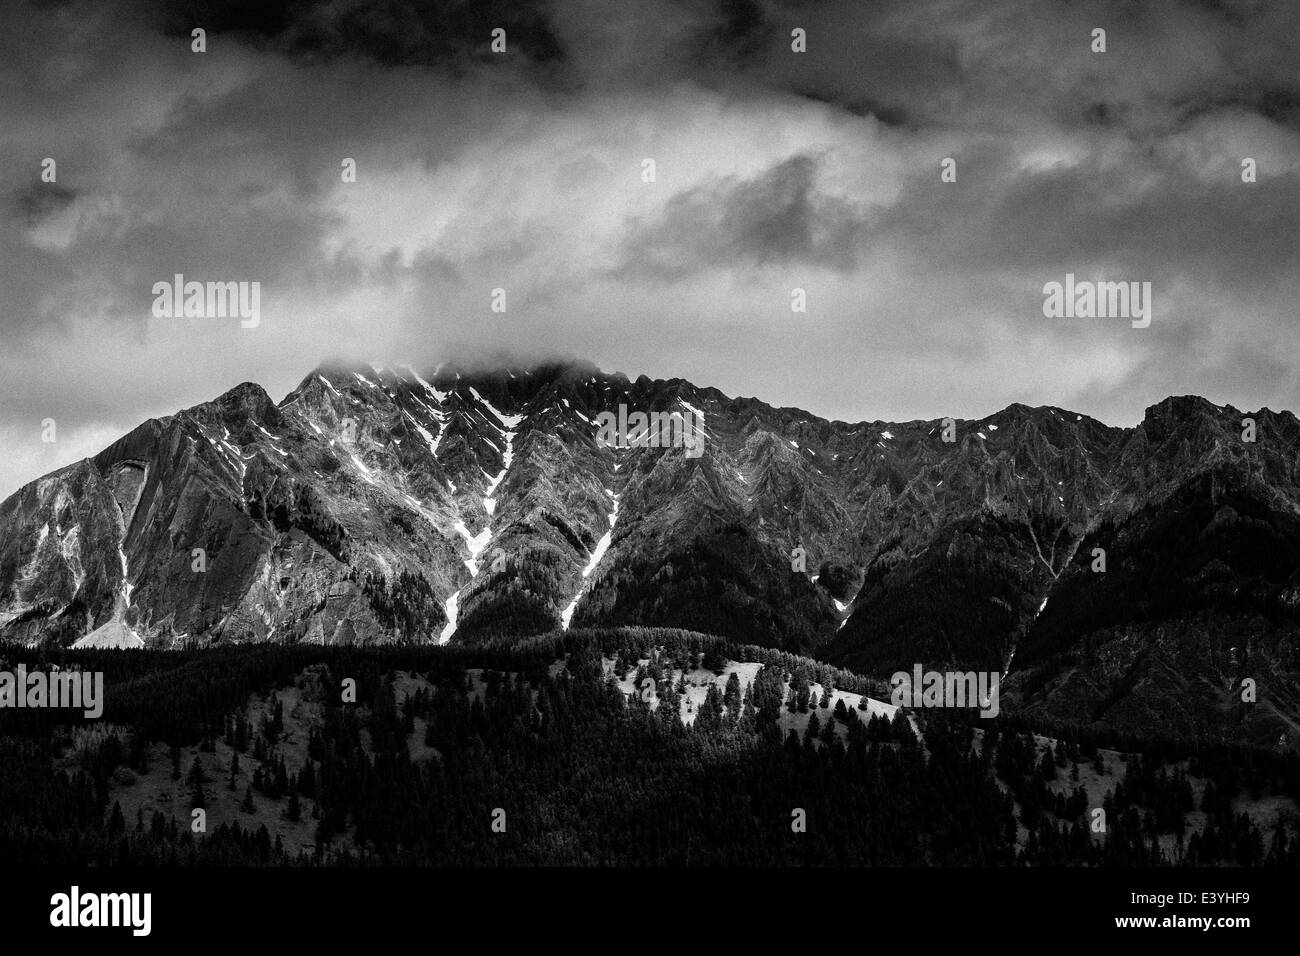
(375, 505)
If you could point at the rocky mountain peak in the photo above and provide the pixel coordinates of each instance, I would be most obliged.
(380, 503)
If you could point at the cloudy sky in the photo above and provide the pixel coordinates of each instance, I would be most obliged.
(774, 170)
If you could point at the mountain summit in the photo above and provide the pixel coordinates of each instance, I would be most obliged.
(375, 504)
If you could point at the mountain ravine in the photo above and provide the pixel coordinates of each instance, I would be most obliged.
(376, 504)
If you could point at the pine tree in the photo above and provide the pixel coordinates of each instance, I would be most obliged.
(731, 699)
(710, 715)
(195, 780)
(828, 734)
(1047, 766)
(669, 710)
(814, 727)
(902, 730)
(307, 780)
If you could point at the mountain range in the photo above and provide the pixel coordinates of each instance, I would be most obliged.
(1143, 578)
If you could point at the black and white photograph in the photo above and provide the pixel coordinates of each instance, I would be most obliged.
(457, 451)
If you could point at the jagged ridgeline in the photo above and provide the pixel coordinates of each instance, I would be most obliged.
(374, 505)
(627, 746)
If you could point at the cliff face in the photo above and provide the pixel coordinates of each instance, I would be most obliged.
(376, 505)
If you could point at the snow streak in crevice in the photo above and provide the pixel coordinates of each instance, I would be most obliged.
(597, 553)
(477, 543)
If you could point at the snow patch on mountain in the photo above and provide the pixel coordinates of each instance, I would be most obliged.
(476, 543)
(437, 395)
(428, 438)
(511, 422)
(699, 681)
(69, 547)
(597, 553)
(366, 473)
(699, 416)
(453, 603)
(114, 635)
(508, 422)
(603, 544)
(126, 583)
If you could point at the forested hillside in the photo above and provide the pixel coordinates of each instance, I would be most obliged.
(604, 746)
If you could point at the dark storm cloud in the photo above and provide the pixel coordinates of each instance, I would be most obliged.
(392, 32)
(1278, 105)
(776, 170)
(1002, 63)
(38, 209)
(1150, 211)
(776, 218)
(739, 35)
(39, 201)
